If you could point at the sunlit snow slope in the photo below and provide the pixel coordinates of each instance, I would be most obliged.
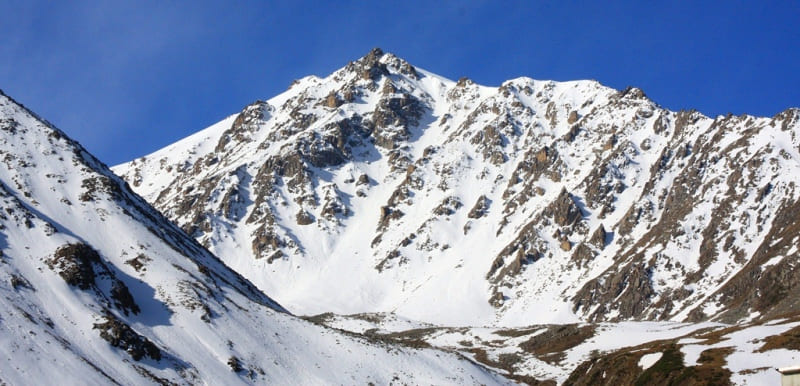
(96, 287)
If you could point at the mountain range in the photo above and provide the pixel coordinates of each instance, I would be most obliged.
(386, 225)
(385, 188)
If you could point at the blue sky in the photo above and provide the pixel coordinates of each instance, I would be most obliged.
(127, 78)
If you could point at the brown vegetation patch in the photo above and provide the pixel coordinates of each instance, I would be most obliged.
(621, 367)
(789, 340)
(517, 332)
(507, 362)
(550, 345)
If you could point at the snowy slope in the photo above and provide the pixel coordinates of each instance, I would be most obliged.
(386, 188)
(96, 287)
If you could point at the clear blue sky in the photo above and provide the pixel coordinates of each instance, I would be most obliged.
(128, 78)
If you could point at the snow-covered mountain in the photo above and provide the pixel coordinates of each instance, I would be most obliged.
(386, 188)
(97, 287)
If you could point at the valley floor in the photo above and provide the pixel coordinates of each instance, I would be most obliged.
(603, 353)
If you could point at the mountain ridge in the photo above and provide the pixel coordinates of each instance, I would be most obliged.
(592, 203)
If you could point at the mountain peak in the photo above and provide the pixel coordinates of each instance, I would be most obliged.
(377, 63)
(382, 162)
(375, 53)
(379, 188)
(97, 282)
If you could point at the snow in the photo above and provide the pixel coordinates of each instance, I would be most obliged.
(197, 311)
(309, 279)
(648, 360)
(746, 362)
(312, 295)
(441, 278)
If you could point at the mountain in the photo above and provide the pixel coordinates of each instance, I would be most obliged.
(97, 287)
(386, 188)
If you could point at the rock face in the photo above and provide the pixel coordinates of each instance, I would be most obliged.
(588, 202)
(97, 287)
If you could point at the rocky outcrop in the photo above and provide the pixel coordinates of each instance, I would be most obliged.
(243, 126)
(448, 206)
(563, 210)
(81, 266)
(627, 290)
(393, 118)
(480, 208)
(75, 264)
(122, 336)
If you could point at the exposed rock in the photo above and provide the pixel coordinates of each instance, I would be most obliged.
(563, 210)
(599, 237)
(265, 241)
(627, 290)
(573, 117)
(304, 218)
(388, 214)
(604, 183)
(96, 184)
(122, 336)
(551, 344)
(490, 142)
(479, 209)
(275, 256)
(80, 266)
(766, 289)
(370, 66)
(246, 122)
(565, 245)
(333, 205)
(497, 299)
(632, 93)
(448, 206)
(332, 101)
(74, 263)
(496, 265)
(393, 117)
(535, 164)
(582, 255)
(383, 264)
(623, 367)
(464, 81)
(235, 364)
(123, 300)
(551, 114)
(18, 281)
(684, 192)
